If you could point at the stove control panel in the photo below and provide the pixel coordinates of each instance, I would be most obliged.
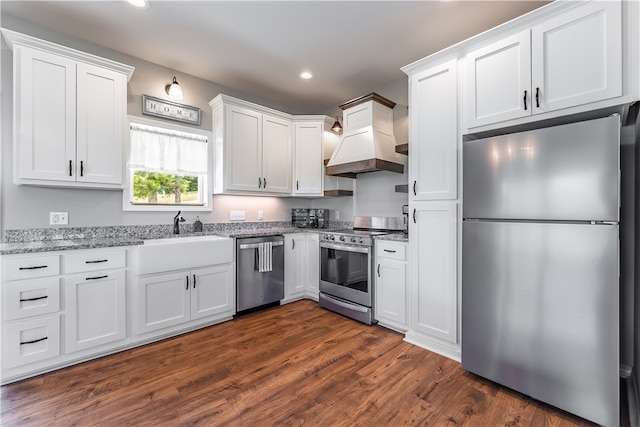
(346, 239)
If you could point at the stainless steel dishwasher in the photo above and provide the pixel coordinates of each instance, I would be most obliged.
(253, 287)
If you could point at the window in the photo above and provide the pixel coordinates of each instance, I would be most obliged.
(168, 167)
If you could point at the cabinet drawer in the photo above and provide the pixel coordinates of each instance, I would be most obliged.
(31, 298)
(391, 250)
(93, 261)
(31, 267)
(31, 341)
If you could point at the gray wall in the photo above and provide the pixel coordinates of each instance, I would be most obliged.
(29, 207)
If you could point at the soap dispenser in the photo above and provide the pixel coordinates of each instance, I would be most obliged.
(197, 225)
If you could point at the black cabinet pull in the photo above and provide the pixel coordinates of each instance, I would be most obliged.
(414, 188)
(259, 182)
(81, 168)
(293, 244)
(187, 288)
(297, 185)
(264, 182)
(525, 100)
(537, 97)
(389, 250)
(97, 277)
(33, 341)
(378, 270)
(33, 299)
(96, 261)
(414, 215)
(194, 281)
(70, 169)
(37, 267)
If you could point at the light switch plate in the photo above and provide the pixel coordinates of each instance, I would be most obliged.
(236, 216)
(58, 218)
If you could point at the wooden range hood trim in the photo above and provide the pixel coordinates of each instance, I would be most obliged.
(369, 97)
(363, 166)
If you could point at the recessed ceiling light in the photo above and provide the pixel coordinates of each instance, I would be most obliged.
(140, 4)
(306, 75)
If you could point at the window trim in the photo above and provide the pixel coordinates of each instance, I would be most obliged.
(127, 192)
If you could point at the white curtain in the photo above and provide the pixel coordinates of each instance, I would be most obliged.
(163, 150)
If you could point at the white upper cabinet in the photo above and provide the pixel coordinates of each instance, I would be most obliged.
(253, 148)
(69, 115)
(434, 133)
(577, 57)
(570, 59)
(308, 162)
(500, 80)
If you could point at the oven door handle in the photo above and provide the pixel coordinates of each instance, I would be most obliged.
(347, 305)
(346, 248)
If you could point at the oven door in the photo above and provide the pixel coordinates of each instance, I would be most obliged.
(345, 272)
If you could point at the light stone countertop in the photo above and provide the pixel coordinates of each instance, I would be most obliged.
(396, 237)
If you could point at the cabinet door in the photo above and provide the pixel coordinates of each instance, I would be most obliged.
(95, 309)
(100, 124)
(294, 265)
(162, 300)
(391, 291)
(499, 81)
(277, 135)
(577, 57)
(433, 161)
(45, 108)
(312, 263)
(308, 159)
(212, 291)
(434, 269)
(243, 153)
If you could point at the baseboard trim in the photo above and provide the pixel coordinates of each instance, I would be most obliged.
(435, 347)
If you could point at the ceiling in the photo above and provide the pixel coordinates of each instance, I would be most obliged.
(261, 47)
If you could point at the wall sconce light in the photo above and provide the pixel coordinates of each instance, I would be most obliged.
(337, 127)
(174, 90)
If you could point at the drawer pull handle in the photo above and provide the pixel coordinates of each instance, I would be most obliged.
(389, 250)
(194, 281)
(36, 267)
(525, 100)
(378, 270)
(81, 168)
(96, 261)
(34, 341)
(70, 169)
(187, 288)
(97, 277)
(33, 299)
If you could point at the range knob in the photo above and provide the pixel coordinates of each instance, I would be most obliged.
(360, 240)
(332, 237)
(342, 238)
(354, 240)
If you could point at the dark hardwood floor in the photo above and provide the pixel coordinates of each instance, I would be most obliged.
(285, 366)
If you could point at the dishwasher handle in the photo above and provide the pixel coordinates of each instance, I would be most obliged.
(256, 245)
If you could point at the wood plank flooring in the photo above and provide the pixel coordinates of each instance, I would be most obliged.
(285, 366)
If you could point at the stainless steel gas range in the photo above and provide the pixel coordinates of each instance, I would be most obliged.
(346, 266)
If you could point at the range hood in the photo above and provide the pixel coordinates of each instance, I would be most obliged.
(367, 143)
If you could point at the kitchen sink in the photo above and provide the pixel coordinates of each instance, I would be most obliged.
(179, 253)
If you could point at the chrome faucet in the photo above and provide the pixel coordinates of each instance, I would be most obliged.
(176, 222)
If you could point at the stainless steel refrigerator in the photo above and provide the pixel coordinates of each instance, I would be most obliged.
(540, 256)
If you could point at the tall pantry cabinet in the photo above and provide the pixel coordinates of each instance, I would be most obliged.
(433, 208)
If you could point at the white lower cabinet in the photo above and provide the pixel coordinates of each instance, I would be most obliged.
(391, 284)
(433, 321)
(60, 309)
(301, 266)
(176, 298)
(95, 309)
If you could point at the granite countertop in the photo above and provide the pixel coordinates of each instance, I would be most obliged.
(65, 245)
(110, 237)
(396, 237)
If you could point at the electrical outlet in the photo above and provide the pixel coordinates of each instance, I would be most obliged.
(236, 216)
(260, 215)
(58, 218)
